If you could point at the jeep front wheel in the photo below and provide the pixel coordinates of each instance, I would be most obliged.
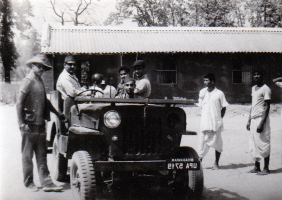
(60, 163)
(82, 176)
(189, 183)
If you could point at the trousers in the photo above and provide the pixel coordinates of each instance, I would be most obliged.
(34, 142)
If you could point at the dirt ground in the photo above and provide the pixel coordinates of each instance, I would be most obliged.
(232, 181)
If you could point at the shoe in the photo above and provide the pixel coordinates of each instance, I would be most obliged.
(32, 187)
(263, 172)
(51, 187)
(255, 170)
(215, 167)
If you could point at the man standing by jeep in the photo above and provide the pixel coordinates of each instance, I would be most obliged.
(143, 84)
(213, 106)
(259, 124)
(33, 108)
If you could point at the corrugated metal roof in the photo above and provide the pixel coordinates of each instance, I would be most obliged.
(107, 40)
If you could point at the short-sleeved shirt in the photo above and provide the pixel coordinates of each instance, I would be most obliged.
(68, 85)
(259, 95)
(35, 102)
(211, 104)
(143, 85)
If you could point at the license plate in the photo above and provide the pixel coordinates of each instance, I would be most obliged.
(182, 166)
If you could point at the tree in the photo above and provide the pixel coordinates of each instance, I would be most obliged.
(9, 54)
(26, 38)
(77, 11)
(265, 13)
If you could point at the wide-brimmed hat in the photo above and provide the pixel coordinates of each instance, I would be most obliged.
(41, 59)
(139, 63)
(128, 79)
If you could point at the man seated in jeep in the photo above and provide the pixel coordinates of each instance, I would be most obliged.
(68, 84)
(143, 84)
(97, 90)
(129, 86)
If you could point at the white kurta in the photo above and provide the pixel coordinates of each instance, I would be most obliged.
(211, 104)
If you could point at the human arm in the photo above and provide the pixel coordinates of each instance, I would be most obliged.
(264, 116)
(141, 87)
(53, 110)
(223, 110)
(20, 111)
(249, 121)
(279, 84)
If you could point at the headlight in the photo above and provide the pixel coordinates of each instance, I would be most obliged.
(112, 119)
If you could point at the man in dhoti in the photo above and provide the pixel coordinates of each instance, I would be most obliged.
(213, 106)
(259, 124)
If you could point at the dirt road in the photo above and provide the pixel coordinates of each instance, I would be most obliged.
(231, 182)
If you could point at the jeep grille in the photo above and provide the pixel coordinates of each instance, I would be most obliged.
(142, 137)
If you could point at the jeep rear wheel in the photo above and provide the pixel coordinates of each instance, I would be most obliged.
(60, 163)
(189, 184)
(82, 176)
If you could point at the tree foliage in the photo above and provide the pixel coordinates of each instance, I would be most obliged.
(214, 13)
(8, 51)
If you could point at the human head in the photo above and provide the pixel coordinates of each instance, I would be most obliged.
(129, 84)
(258, 75)
(40, 59)
(209, 80)
(70, 64)
(97, 79)
(139, 68)
(103, 84)
(123, 72)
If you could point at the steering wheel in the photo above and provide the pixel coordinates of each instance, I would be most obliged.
(91, 91)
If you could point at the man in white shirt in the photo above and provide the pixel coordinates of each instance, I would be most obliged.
(259, 124)
(68, 84)
(213, 106)
(143, 84)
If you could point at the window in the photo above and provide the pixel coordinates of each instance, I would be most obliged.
(241, 73)
(166, 71)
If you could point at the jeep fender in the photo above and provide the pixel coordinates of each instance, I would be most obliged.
(90, 140)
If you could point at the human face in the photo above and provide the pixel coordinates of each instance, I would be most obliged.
(70, 66)
(139, 71)
(129, 87)
(38, 69)
(257, 77)
(123, 74)
(208, 83)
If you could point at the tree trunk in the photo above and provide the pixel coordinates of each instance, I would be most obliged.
(7, 75)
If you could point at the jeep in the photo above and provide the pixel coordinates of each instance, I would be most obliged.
(110, 140)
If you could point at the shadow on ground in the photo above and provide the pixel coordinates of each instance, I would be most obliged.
(234, 166)
(220, 194)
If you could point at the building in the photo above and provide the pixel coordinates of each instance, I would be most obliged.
(176, 58)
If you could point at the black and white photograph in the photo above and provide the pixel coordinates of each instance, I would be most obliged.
(140, 99)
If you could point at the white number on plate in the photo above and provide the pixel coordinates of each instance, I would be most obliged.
(175, 166)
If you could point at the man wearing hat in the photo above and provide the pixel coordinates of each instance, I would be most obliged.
(143, 85)
(33, 108)
(129, 86)
(68, 84)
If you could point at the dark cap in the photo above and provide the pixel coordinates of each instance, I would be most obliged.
(128, 79)
(139, 63)
(69, 58)
(41, 59)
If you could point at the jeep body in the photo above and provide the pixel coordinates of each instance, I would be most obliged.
(110, 140)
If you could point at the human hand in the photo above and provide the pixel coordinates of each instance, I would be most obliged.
(248, 126)
(259, 128)
(61, 116)
(24, 128)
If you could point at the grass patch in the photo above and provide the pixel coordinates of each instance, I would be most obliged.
(9, 92)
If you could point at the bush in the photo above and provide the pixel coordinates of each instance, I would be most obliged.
(9, 92)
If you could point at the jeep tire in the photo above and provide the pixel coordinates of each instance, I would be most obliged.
(189, 183)
(60, 163)
(82, 177)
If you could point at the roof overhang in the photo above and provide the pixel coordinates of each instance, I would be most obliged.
(119, 40)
